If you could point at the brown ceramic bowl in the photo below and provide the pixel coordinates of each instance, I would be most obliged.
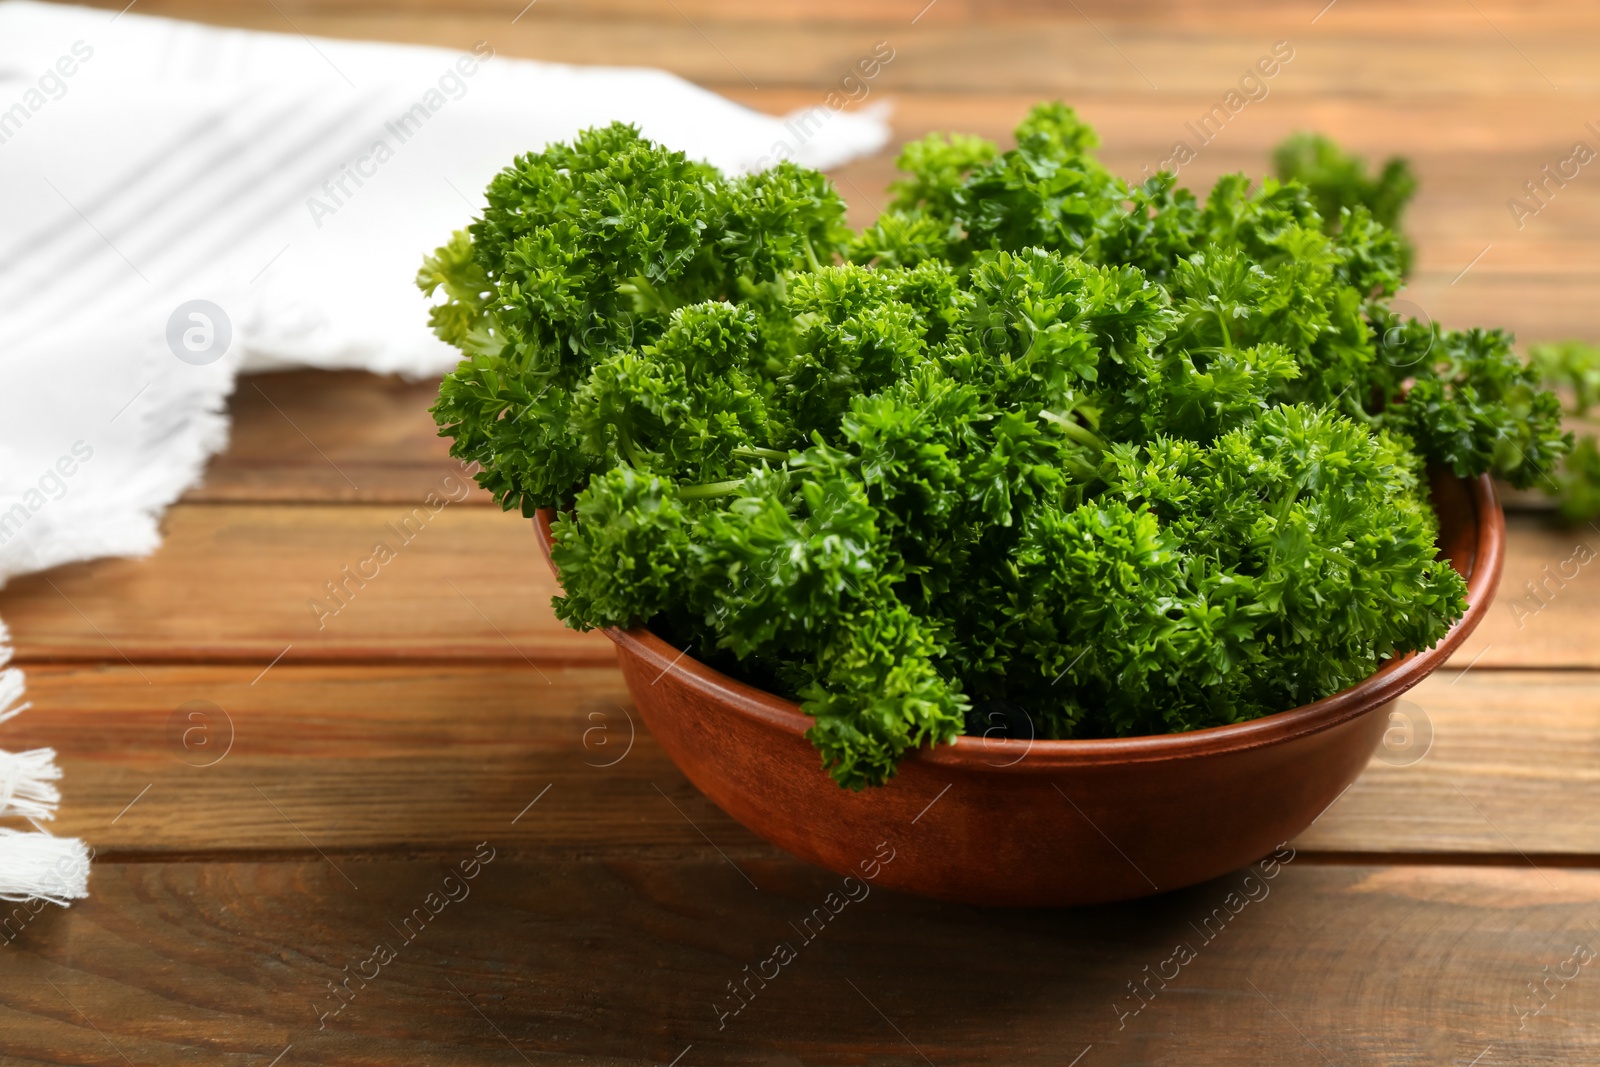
(1045, 823)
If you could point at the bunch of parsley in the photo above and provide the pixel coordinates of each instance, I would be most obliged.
(1039, 452)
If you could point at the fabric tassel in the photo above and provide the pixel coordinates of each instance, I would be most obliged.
(27, 780)
(34, 865)
(42, 866)
(11, 682)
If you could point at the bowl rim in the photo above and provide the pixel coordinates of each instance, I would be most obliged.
(979, 754)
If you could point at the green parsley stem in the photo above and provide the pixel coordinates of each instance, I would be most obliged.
(698, 492)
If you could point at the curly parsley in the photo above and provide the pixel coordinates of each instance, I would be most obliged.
(1038, 438)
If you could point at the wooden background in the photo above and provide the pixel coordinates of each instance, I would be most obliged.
(254, 845)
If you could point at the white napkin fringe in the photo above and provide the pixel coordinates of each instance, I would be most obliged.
(33, 864)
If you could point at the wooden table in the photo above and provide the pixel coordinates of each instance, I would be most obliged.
(271, 799)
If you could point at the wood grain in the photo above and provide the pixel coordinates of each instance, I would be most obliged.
(357, 758)
(1037, 48)
(1543, 614)
(212, 760)
(1483, 762)
(1355, 16)
(622, 962)
(323, 436)
(238, 583)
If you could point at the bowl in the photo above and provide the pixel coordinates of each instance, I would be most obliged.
(1046, 823)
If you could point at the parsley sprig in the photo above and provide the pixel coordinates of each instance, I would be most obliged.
(1337, 180)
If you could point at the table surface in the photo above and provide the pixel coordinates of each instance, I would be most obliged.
(270, 798)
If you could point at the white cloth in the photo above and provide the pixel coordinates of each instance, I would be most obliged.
(293, 185)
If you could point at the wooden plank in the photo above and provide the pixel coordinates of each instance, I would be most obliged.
(204, 760)
(1543, 615)
(631, 962)
(356, 758)
(1481, 762)
(1355, 16)
(303, 436)
(1469, 144)
(241, 583)
(1058, 52)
